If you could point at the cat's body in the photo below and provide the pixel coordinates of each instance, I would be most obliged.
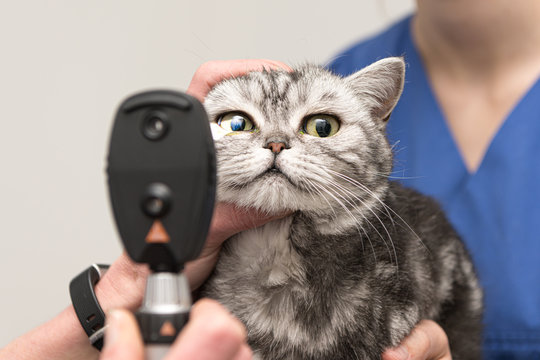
(360, 260)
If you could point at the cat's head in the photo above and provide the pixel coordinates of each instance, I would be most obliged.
(305, 140)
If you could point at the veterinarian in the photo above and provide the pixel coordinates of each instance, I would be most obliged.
(466, 132)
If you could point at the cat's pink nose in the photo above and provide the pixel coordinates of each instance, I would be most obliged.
(276, 147)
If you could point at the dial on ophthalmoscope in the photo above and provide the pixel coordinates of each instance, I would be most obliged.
(162, 176)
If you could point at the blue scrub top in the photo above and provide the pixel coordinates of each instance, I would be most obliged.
(496, 209)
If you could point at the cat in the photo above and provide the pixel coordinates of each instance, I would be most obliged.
(361, 259)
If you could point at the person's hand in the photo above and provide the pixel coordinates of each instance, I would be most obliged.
(427, 341)
(211, 333)
(212, 72)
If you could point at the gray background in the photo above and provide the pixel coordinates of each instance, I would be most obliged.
(64, 67)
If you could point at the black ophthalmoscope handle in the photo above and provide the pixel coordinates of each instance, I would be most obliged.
(162, 179)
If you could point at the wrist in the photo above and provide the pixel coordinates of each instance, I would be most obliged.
(63, 337)
(60, 338)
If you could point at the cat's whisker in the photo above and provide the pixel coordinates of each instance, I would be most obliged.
(310, 190)
(355, 220)
(355, 197)
(403, 177)
(321, 194)
(364, 189)
(248, 162)
(367, 190)
(358, 226)
(322, 178)
(356, 183)
(320, 187)
(386, 176)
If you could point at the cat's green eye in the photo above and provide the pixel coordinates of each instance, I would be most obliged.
(321, 125)
(235, 121)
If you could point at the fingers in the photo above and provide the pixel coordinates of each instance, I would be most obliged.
(122, 338)
(123, 284)
(212, 333)
(427, 341)
(229, 219)
(212, 72)
(245, 353)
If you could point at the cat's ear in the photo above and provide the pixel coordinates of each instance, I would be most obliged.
(380, 85)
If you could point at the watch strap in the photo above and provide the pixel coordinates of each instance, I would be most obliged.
(86, 305)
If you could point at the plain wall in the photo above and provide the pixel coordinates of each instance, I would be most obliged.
(64, 67)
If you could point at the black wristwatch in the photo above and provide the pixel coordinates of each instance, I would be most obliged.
(86, 305)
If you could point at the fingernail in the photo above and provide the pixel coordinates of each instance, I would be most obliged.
(399, 353)
(113, 323)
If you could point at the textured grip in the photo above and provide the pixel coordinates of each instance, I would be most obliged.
(165, 309)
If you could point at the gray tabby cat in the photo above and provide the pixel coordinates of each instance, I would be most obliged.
(360, 260)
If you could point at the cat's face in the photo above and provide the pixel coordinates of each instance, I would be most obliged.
(306, 140)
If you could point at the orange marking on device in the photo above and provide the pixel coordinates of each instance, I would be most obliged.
(157, 234)
(167, 329)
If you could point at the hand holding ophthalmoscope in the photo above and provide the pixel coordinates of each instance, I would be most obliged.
(212, 333)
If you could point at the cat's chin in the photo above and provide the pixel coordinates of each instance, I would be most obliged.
(272, 193)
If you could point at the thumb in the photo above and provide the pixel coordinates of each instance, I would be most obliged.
(123, 340)
(427, 341)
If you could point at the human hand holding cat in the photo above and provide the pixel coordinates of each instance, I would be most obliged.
(427, 341)
(212, 72)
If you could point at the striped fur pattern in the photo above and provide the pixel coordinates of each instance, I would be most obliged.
(361, 259)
